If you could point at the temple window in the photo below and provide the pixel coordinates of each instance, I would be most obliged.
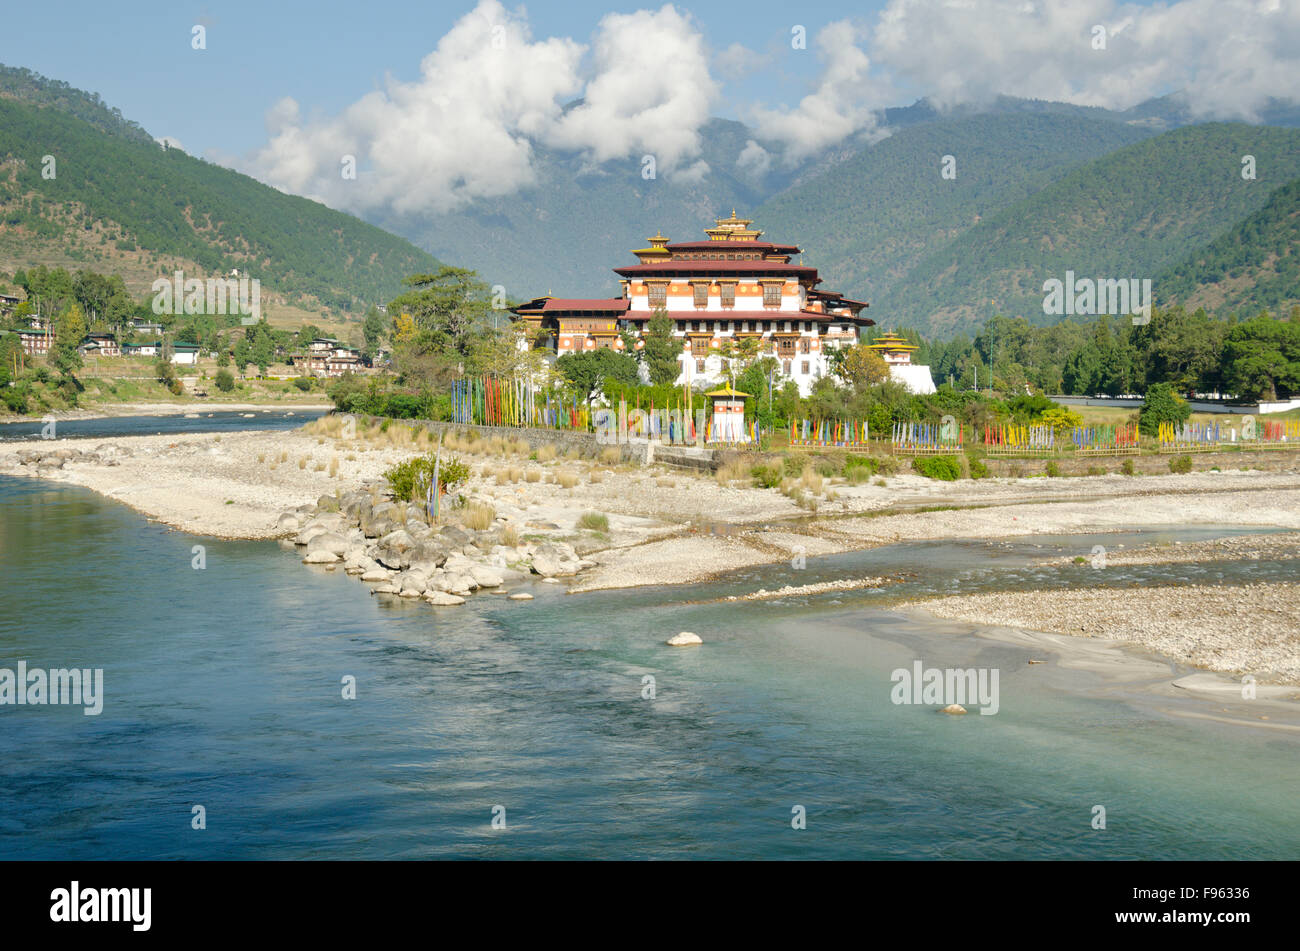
(701, 294)
(805, 367)
(728, 295)
(699, 366)
(771, 295)
(658, 295)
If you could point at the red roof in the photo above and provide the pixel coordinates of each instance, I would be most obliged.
(732, 246)
(603, 305)
(638, 315)
(718, 267)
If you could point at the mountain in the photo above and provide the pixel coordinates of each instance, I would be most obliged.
(867, 220)
(1131, 214)
(579, 221)
(1253, 266)
(120, 202)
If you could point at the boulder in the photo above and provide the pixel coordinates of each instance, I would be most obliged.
(521, 596)
(327, 503)
(386, 587)
(376, 574)
(288, 524)
(684, 639)
(956, 709)
(399, 540)
(328, 541)
(320, 557)
(443, 598)
(460, 584)
(485, 577)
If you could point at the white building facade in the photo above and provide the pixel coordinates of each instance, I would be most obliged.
(719, 292)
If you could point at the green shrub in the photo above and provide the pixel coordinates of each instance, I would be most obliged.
(766, 477)
(1180, 464)
(1127, 467)
(859, 468)
(595, 521)
(946, 468)
(303, 383)
(1096, 471)
(1161, 405)
(225, 381)
(793, 465)
(978, 469)
(1052, 469)
(410, 479)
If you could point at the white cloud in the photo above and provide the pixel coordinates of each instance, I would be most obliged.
(1228, 55)
(845, 100)
(651, 92)
(467, 126)
(754, 158)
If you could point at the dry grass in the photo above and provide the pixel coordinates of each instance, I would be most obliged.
(520, 447)
(516, 474)
(478, 516)
(510, 536)
(596, 477)
(302, 462)
(611, 455)
(284, 455)
(666, 483)
(261, 457)
(566, 479)
(319, 467)
(334, 466)
(594, 521)
(547, 454)
(732, 472)
(811, 480)
(534, 475)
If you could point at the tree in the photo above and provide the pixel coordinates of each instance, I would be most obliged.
(1162, 405)
(861, 367)
(372, 331)
(662, 349)
(447, 307)
(69, 331)
(589, 369)
(1261, 358)
(225, 381)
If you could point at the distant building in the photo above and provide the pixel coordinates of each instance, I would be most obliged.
(35, 342)
(8, 303)
(728, 288)
(103, 345)
(148, 327)
(186, 354)
(326, 356)
(897, 353)
(142, 349)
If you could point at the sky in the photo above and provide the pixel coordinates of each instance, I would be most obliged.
(438, 104)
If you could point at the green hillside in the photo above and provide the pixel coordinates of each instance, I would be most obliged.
(1254, 266)
(120, 202)
(867, 220)
(566, 232)
(1131, 214)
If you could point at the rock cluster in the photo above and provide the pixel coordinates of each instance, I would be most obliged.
(391, 546)
(60, 456)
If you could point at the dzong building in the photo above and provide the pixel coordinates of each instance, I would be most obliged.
(730, 285)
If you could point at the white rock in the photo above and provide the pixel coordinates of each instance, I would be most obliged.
(443, 598)
(684, 639)
(320, 557)
(521, 596)
(485, 577)
(377, 574)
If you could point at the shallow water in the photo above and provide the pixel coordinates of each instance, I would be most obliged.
(115, 426)
(224, 690)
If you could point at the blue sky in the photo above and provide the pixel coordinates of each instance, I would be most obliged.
(325, 54)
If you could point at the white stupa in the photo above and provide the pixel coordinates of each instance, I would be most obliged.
(897, 353)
